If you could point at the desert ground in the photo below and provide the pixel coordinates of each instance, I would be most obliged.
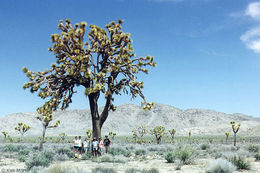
(187, 155)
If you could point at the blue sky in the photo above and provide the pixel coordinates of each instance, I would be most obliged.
(207, 51)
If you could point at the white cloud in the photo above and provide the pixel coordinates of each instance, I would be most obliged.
(253, 10)
(252, 39)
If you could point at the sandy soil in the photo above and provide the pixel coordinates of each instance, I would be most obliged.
(200, 165)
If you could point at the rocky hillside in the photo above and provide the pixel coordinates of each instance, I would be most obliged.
(129, 116)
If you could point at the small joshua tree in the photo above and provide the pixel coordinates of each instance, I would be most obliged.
(5, 134)
(190, 136)
(89, 134)
(142, 131)
(235, 128)
(134, 133)
(172, 133)
(22, 129)
(158, 132)
(112, 134)
(45, 116)
(227, 135)
(62, 136)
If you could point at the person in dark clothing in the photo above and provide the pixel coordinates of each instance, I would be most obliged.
(107, 143)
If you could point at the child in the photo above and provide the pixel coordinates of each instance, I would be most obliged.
(95, 146)
(100, 146)
(85, 144)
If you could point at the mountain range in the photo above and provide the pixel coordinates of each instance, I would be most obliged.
(129, 116)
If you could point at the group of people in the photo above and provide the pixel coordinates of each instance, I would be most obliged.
(95, 146)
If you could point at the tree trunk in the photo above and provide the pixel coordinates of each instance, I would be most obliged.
(21, 137)
(43, 137)
(235, 139)
(96, 121)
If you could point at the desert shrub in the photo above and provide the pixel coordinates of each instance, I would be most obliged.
(39, 159)
(66, 151)
(220, 166)
(10, 148)
(58, 168)
(140, 152)
(119, 151)
(24, 152)
(205, 146)
(257, 156)
(61, 157)
(186, 155)
(170, 157)
(22, 158)
(35, 148)
(104, 170)
(240, 163)
(134, 170)
(253, 148)
(86, 156)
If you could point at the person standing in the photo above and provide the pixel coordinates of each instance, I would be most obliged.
(75, 145)
(107, 143)
(80, 144)
(100, 146)
(95, 146)
(85, 144)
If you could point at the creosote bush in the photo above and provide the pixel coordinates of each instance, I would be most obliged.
(253, 148)
(134, 170)
(221, 166)
(170, 157)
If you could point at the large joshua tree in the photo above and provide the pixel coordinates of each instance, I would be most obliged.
(104, 64)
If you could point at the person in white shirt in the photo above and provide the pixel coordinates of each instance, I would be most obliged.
(75, 145)
(95, 146)
(85, 144)
(80, 144)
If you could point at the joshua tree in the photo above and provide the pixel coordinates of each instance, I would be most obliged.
(158, 132)
(190, 136)
(62, 136)
(112, 134)
(5, 134)
(227, 135)
(235, 128)
(142, 130)
(134, 133)
(104, 64)
(22, 129)
(89, 133)
(172, 133)
(45, 116)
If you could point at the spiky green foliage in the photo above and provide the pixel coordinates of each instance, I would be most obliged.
(235, 128)
(142, 130)
(22, 129)
(62, 136)
(45, 116)
(227, 135)
(112, 134)
(5, 134)
(102, 61)
(172, 133)
(89, 133)
(158, 132)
